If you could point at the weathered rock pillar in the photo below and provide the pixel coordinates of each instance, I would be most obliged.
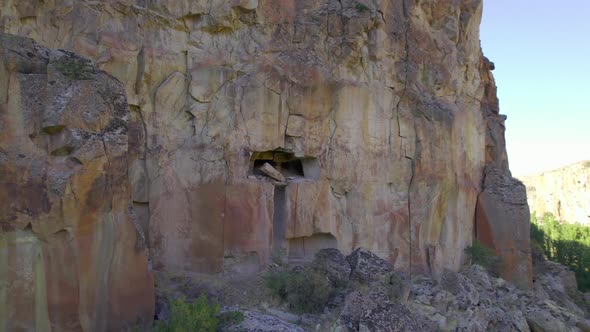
(502, 218)
(71, 256)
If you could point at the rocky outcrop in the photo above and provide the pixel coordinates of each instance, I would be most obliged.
(503, 224)
(380, 116)
(553, 281)
(564, 192)
(72, 256)
(502, 217)
(470, 300)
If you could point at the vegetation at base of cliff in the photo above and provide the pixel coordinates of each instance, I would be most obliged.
(304, 291)
(482, 255)
(565, 243)
(200, 315)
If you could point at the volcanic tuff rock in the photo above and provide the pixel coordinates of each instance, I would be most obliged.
(563, 192)
(71, 255)
(381, 115)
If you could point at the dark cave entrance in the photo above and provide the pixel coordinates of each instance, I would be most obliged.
(289, 165)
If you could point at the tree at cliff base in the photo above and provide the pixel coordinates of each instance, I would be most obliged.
(565, 243)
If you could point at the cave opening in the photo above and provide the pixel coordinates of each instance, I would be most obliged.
(290, 166)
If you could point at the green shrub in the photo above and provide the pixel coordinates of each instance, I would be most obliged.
(482, 255)
(304, 291)
(361, 7)
(276, 281)
(308, 291)
(200, 315)
(565, 243)
(230, 318)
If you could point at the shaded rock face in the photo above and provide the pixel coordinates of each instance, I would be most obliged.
(563, 192)
(502, 217)
(71, 255)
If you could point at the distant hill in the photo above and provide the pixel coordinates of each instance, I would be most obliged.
(564, 192)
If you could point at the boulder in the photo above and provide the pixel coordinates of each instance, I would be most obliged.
(543, 321)
(394, 317)
(557, 282)
(334, 265)
(355, 305)
(367, 267)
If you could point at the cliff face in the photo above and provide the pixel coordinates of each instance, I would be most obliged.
(71, 257)
(375, 112)
(564, 192)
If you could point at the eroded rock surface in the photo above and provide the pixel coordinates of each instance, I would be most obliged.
(470, 300)
(72, 256)
(563, 192)
(379, 100)
(503, 223)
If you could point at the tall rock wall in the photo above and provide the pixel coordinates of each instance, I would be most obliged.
(371, 109)
(71, 255)
(563, 192)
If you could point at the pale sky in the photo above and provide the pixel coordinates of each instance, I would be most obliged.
(541, 50)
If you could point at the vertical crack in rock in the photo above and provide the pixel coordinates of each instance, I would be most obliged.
(140, 69)
(403, 138)
(410, 209)
(241, 102)
(279, 219)
(144, 160)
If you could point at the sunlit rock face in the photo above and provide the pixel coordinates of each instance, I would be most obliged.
(71, 255)
(371, 109)
(563, 192)
(502, 217)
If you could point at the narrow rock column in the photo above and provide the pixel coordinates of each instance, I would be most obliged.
(502, 218)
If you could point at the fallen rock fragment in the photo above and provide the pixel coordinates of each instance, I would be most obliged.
(272, 172)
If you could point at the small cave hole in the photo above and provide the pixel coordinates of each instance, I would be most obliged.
(287, 163)
(293, 168)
